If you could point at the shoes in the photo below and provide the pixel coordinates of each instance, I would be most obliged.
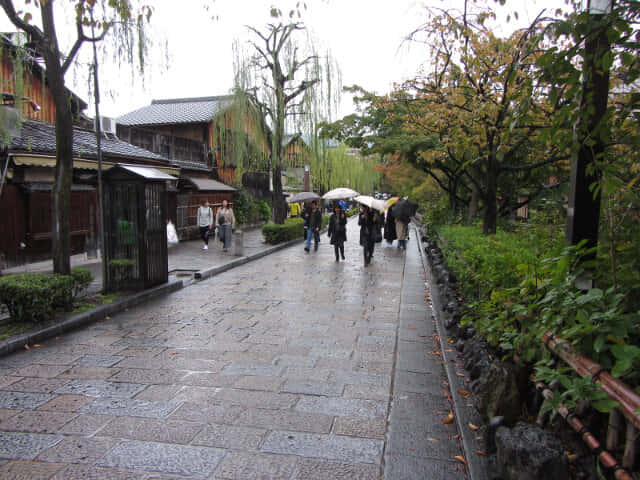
(306, 249)
(337, 259)
(225, 249)
(206, 247)
(343, 257)
(315, 249)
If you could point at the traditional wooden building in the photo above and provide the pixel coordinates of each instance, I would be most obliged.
(28, 160)
(186, 131)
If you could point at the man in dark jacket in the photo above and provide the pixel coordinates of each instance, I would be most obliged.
(313, 223)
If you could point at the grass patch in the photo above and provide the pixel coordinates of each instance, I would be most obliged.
(89, 303)
(10, 329)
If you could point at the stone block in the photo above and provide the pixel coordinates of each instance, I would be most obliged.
(331, 447)
(199, 462)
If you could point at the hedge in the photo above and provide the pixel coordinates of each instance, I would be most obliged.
(291, 229)
(33, 297)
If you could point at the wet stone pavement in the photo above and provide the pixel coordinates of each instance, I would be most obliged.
(293, 366)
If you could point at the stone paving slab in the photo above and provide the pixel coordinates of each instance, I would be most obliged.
(198, 462)
(101, 388)
(331, 447)
(21, 400)
(25, 446)
(129, 408)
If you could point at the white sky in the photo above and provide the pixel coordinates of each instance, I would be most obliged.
(364, 36)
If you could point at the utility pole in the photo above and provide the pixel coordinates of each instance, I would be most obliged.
(96, 91)
(591, 134)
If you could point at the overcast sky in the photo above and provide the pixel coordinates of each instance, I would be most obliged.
(193, 55)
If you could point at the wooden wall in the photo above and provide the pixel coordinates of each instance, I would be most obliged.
(33, 87)
(12, 224)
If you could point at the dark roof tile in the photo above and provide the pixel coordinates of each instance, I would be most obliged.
(179, 110)
(40, 137)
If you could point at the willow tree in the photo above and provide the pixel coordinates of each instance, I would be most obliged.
(289, 86)
(90, 16)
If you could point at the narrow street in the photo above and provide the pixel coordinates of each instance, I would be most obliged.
(293, 366)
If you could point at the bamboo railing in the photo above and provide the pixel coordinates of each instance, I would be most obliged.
(625, 417)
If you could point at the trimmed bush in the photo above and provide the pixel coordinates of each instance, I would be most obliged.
(32, 297)
(291, 229)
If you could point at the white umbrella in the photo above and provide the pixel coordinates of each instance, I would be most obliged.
(303, 197)
(371, 202)
(341, 193)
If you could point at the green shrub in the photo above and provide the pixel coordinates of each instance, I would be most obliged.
(32, 297)
(82, 278)
(520, 285)
(291, 229)
(249, 209)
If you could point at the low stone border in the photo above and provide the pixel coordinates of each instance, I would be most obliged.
(81, 319)
(465, 413)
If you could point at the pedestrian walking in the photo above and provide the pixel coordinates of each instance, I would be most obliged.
(225, 221)
(205, 222)
(338, 231)
(313, 223)
(367, 224)
(402, 231)
(390, 228)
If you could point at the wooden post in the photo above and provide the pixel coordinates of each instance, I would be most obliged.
(616, 424)
(629, 456)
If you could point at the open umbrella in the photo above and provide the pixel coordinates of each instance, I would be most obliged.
(404, 210)
(303, 197)
(391, 201)
(341, 193)
(371, 202)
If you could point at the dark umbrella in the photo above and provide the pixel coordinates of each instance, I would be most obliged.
(303, 197)
(404, 210)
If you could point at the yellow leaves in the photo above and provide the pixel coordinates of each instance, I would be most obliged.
(449, 418)
(461, 459)
(473, 427)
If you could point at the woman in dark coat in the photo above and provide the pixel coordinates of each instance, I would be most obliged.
(338, 231)
(390, 228)
(367, 232)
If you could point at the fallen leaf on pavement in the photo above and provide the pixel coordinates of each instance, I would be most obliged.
(463, 392)
(449, 418)
(461, 459)
(433, 439)
(36, 345)
(27, 346)
(480, 452)
(460, 374)
(473, 427)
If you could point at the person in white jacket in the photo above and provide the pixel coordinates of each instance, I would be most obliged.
(205, 222)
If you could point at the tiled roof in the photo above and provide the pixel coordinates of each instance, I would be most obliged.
(40, 137)
(179, 110)
(186, 165)
(210, 185)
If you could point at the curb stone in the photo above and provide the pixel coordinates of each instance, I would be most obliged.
(477, 465)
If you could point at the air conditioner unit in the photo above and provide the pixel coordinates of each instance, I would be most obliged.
(107, 125)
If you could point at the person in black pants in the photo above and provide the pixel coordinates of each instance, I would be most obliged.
(338, 231)
(313, 222)
(367, 232)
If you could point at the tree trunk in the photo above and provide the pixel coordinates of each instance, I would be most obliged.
(279, 204)
(61, 211)
(472, 211)
(490, 199)
(453, 196)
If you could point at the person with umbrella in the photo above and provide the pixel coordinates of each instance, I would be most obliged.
(312, 223)
(367, 222)
(338, 230)
(403, 211)
(390, 228)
